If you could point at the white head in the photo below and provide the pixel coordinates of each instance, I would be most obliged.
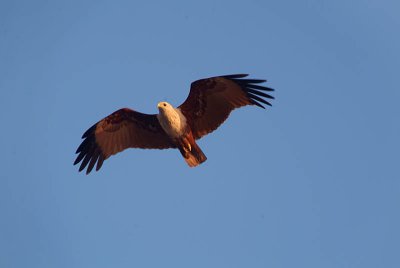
(164, 106)
(171, 119)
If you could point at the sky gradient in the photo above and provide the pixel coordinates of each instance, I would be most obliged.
(311, 182)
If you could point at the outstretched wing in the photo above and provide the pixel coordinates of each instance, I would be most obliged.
(120, 130)
(211, 100)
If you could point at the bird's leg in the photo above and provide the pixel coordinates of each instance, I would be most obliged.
(188, 147)
(185, 145)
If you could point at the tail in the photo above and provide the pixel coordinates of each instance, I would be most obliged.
(195, 156)
(191, 152)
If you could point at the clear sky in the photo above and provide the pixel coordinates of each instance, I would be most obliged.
(313, 181)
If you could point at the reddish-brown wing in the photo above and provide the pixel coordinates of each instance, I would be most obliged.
(211, 100)
(122, 129)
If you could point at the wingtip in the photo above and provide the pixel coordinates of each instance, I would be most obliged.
(254, 91)
(81, 168)
(235, 76)
(89, 131)
(258, 104)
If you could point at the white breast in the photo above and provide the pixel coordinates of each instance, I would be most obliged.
(172, 121)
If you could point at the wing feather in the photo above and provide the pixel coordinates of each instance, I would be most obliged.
(100, 162)
(211, 100)
(120, 130)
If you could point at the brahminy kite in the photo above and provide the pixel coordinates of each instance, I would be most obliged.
(208, 105)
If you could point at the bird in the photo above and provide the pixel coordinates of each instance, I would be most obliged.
(208, 105)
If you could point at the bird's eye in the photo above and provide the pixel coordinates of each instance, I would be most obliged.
(165, 104)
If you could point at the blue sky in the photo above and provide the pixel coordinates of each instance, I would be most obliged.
(311, 182)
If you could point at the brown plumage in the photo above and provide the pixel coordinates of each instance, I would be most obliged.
(208, 105)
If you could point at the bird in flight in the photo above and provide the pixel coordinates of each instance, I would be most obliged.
(208, 105)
